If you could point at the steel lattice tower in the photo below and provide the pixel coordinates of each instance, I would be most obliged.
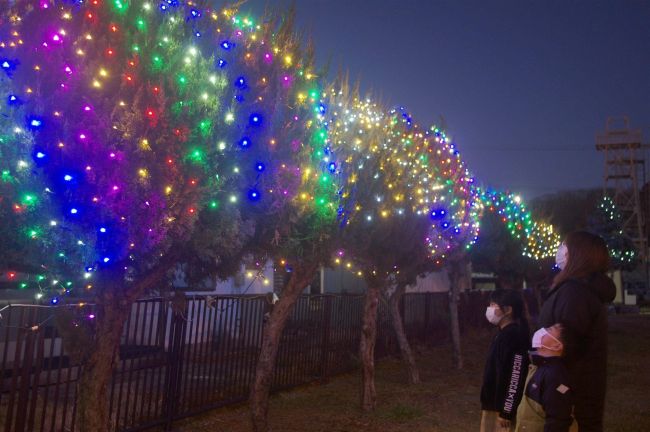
(625, 175)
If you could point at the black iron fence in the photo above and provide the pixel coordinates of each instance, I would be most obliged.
(177, 359)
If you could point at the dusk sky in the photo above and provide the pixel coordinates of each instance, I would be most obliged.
(522, 85)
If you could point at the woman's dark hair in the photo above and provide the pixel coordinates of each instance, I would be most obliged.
(587, 254)
(514, 299)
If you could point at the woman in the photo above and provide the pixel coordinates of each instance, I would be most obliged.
(507, 362)
(578, 298)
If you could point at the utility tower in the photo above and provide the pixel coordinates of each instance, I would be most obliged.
(625, 176)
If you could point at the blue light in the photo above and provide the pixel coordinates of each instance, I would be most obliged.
(227, 45)
(222, 63)
(74, 211)
(438, 213)
(331, 167)
(245, 142)
(254, 195)
(13, 100)
(255, 119)
(197, 34)
(102, 230)
(259, 167)
(40, 155)
(445, 225)
(195, 13)
(67, 177)
(55, 300)
(35, 122)
(322, 109)
(106, 259)
(240, 82)
(8, 65)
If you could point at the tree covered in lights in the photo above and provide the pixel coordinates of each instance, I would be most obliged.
(156, 145)
(396, 175)
(607, 222)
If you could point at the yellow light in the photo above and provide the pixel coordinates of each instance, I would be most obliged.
(143, 173)
(288, 60)
(168, 190)
(96, 84)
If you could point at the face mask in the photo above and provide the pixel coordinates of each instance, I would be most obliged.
(491, 315)
(537, 340)
(561, 256)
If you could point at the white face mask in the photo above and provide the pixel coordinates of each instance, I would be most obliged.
(561, 256)
(537, 340)
(491, 315)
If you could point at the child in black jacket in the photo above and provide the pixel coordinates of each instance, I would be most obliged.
(507, 362)
(548, 402)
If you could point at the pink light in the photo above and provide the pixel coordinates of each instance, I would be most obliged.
(56, 38)
(239, 33)
(68, 70)
(112, 155)
(87, 108)
(91, 316)
(82, 136)
(44, 5)
(115, 188)
(88, 168)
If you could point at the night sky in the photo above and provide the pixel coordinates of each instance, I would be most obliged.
(522, 86)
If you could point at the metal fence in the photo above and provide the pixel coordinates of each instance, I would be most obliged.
(176, 360)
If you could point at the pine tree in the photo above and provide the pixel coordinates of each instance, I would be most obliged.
(607, 222)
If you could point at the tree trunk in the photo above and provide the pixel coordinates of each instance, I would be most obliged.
(367, 345)
(398, 325)
(113, 308)
(92, 398)
(455, 273)
(259, 398)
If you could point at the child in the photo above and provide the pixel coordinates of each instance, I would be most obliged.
(547, 404)
(505, 368)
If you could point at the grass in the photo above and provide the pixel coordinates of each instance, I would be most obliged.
(448, 399)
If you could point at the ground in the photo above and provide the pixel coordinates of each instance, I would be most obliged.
(447, 400)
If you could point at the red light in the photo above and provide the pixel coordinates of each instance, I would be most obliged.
(12, 275)
(193, 182)
(110, 52)
(114, 28)
(169, 161)
(90, 16)
(150, 113)
(129, 78)
(191, 210)
(156, 89)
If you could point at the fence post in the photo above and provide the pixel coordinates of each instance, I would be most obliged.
(427, 324)
(327, 312)
(172, 394)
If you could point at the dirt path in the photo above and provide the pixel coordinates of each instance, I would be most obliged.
(447, 400)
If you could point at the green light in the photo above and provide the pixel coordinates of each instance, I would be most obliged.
(6, 176)
(213, 204)
(182, 79)
(136, 48)
(40, 278)
(23, 285)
